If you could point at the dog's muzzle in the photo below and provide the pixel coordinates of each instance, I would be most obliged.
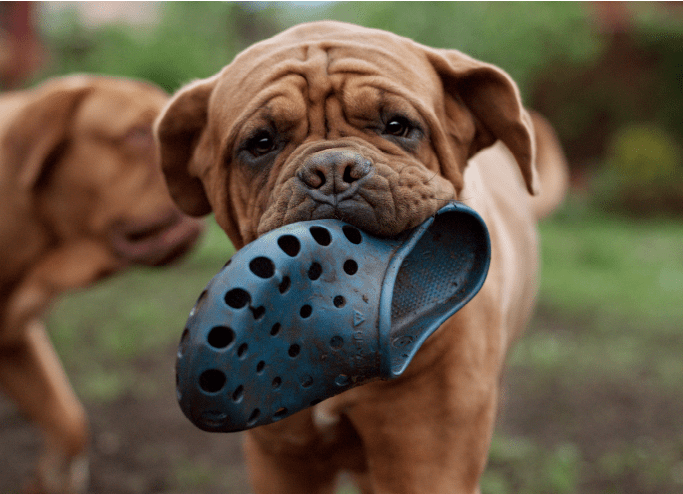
(332, 176)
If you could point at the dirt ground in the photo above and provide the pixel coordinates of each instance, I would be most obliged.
(143, 444)
(140, 444)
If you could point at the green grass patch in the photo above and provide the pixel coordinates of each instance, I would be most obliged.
(617, 287)
(598, 377)
(616, 268)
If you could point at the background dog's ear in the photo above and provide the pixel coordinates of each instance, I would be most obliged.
(494, 100)
(40, 131)
(178, 130)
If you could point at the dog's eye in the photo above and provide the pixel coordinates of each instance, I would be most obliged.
(262, 143)
(398, 126)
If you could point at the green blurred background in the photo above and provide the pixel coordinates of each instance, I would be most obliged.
(593, 398)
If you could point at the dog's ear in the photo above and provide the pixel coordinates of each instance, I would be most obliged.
(40, 131)
(494, 100)
(178, 130)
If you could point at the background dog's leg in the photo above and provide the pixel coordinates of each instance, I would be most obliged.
(273, 473)
(32, 375)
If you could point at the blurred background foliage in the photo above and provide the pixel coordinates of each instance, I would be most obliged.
(601, 72)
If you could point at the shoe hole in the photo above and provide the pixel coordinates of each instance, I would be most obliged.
(294, 350)
(337, 342)
(275, 329)
(306, 381)
(350, 267)
(277, 382)
(258, 312)
(306, 311)
(315, 271)
(352, 234)
(284, 284)
(242, 350)
(254, 416)
(260, 366)
(281, 412)
(238, 394)
(212, 380)
(183, 342)
(289, 244)
(339, 301)
(321, 235)
(341, 380)
(221, 337)
(262, 267)
(237, 298)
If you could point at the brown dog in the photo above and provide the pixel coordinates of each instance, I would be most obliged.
(83, 197)
(330, 120)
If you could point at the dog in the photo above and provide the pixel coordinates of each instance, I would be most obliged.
(332, 120)
(83, 198)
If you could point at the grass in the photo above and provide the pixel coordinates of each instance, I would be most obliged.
(621, 268)
(620, 284)
(594, 389)
(599, 374)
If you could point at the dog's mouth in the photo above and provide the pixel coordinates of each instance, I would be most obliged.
(352, 182)
(155, 242)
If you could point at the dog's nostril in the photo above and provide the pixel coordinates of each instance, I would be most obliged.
(356, 170)
(313, 176)
(347, 177)
(321, 176)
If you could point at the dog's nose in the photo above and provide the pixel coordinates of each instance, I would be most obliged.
(334, 172)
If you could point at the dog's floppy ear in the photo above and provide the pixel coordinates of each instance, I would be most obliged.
(178, 130)
(494, 100)
(38, 133)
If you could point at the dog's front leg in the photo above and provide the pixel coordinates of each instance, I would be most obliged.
(415, 447)
(33, 377)
(429, 430)
(287, 468)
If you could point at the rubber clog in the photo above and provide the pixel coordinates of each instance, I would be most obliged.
(315, 308)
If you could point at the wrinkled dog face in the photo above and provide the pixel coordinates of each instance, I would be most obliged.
(326, 120)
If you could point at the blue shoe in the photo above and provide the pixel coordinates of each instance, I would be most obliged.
(312, 309)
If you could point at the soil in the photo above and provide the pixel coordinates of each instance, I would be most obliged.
(143, 444)
(140, 444)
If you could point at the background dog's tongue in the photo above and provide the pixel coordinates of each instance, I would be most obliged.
(312, 309)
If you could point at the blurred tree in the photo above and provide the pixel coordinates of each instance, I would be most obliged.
(520, 37)
(620, 116)
(190, 40)
(21, 50)
(638, 77)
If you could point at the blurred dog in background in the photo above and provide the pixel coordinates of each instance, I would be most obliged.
(82, 198)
